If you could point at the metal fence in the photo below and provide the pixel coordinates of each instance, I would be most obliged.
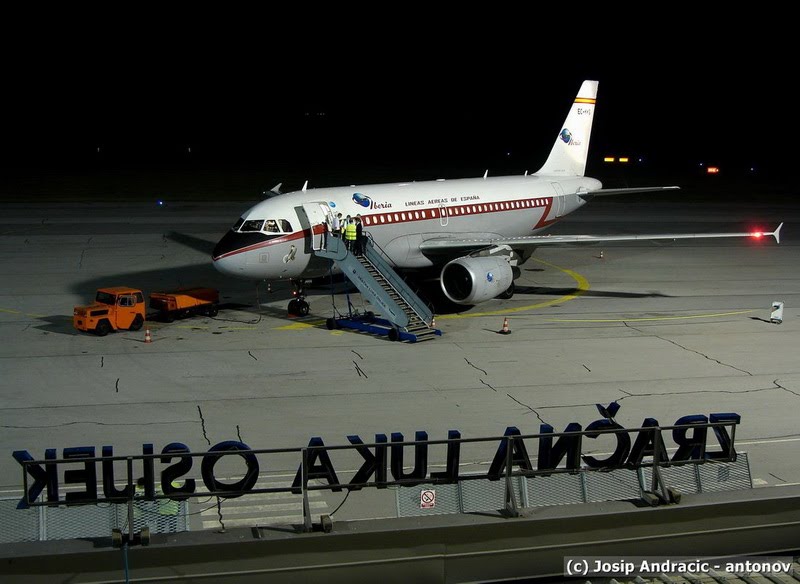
(511, 481)
(481, 494)
(49, 523)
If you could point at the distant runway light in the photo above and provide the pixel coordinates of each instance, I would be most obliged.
(160, 203)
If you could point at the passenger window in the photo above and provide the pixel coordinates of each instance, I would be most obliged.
(286, 226)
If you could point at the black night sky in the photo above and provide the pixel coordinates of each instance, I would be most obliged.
(342, 99)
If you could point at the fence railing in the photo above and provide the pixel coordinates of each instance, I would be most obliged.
(511, 469)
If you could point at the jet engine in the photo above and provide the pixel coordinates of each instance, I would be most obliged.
(471, 280)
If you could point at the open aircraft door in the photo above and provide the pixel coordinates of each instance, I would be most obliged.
(317, 214)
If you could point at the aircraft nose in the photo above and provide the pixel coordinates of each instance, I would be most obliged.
(226, 255)
(233, 243)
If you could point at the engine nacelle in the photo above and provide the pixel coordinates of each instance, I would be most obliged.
(470, 280)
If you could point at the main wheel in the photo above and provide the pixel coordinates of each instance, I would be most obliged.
(103, 328)
(137, 323)
(212, 310)
(293, 309)
(302, 307)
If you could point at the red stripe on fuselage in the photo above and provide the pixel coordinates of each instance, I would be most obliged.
(543, 221)
(275, 241)
(427, 214)
(460, 210)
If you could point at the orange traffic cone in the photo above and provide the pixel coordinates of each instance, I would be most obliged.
(504, 330)
(147, 337)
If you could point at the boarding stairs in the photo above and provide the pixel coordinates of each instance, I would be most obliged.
(406, 316)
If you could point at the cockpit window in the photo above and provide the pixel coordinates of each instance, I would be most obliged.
(238, 224)
(277, 226)
(251, 225)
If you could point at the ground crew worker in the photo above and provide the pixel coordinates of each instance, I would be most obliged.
(169, 511)
(350, 235)
(345, 221)
(359, 246)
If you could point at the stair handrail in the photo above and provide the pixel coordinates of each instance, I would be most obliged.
(394, 280)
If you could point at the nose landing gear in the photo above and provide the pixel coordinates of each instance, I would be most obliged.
(298, 305)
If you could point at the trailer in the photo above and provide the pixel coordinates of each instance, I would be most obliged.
(185, 303)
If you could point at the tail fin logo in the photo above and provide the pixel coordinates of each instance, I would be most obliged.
(566, 137)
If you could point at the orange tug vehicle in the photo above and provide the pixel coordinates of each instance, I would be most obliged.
(123, 308)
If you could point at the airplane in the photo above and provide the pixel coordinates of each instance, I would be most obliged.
(472, 234)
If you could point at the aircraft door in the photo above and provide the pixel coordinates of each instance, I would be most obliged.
(443, 215)
(317, 214)
(559, 200)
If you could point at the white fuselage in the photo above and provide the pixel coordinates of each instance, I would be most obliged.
(398, 217)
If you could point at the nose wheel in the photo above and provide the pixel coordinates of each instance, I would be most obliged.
(298, 305)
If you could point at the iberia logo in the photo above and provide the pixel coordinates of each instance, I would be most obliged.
(365, 201)
(362, 200)
(566, 137)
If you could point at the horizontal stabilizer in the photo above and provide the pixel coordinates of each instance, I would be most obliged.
(626, 191)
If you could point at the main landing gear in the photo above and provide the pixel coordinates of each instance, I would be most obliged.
(298, 305)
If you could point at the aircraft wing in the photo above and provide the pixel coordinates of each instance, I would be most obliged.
(449, 246)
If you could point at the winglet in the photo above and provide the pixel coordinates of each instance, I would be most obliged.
(485, 174)
(305, 186)
(777, 233)
(276, 189)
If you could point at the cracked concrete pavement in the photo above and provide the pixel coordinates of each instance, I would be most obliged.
(665, 330)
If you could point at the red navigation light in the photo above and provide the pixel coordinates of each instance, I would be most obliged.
(757, 234)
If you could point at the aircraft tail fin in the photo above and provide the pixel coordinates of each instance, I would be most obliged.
(570, 151)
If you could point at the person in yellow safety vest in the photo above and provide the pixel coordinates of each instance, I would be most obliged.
(169, 511)
(350, 235)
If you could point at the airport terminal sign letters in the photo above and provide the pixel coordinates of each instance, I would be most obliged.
(689, 433)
